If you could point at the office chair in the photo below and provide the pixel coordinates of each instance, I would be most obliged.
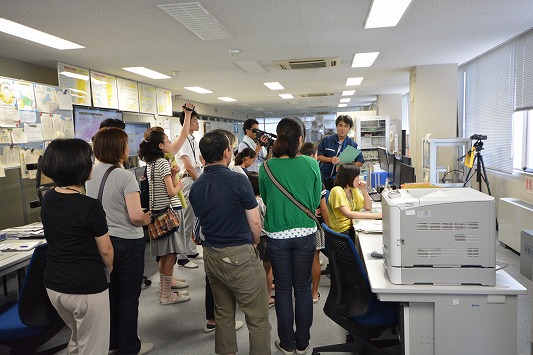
(32, 321)
(351, 303)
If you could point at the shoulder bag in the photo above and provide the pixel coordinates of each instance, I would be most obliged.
(165, 222)
(319, 231)
(104, 179)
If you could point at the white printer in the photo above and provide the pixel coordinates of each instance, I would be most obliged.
(441, 236)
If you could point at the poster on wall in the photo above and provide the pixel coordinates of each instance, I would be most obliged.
(7, 92)
(147, 98)
(104, 90)
(128, 96)
(75, 79)
(164, 102)
(46, 98)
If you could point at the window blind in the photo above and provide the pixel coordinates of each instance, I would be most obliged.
(524, 72)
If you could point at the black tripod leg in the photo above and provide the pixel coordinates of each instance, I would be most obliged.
(484, 175)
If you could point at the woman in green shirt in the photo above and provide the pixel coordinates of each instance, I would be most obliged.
(347, 199)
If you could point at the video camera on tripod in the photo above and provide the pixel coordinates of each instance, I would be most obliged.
(478, 145)
(270, 136)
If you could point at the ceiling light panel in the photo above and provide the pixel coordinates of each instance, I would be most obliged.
(386, 13)
(196, 19)
(149, 73)
(198, 89)
(227, 99)
(354, 81)
(30, 34)
(364, 60)
(348, 92)
(342, 105)
(274, 85)
(286, 96)
(344, 100)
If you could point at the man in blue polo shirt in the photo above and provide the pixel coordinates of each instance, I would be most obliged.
(331, 146)
(225, 204)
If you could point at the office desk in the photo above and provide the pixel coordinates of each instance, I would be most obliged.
(14, 261)
(466, 319)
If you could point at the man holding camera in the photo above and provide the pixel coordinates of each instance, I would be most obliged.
(250, 140)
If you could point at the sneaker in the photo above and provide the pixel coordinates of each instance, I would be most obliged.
(146, 348)
(283, 351)
(178, 284)
(196, 256)
(211, 327)
(179, 279)
(174, 298)
(302, 352)
(315, 300)
(189, 265)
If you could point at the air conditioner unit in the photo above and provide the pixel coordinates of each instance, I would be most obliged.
(317, 94)
(309, 63)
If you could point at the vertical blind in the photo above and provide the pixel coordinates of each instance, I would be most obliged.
(488, 104)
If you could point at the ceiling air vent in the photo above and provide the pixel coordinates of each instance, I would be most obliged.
(317, 94)
(307, 63)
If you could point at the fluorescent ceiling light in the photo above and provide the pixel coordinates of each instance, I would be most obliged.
(30, 34)
(147, 72)
(386, 13)
(75, 75)
(344, 100)
(274, 85)
(354, 81)
(227, 99)
(348, 92)
(342, 105)
(198, 89)
(363, 60)
(286, 96)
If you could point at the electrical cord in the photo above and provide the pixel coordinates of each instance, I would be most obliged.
(503, 265)
(451, 171)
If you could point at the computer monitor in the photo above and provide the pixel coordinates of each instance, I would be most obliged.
(383, 159)
(87, 121)
(135, 131)
(407, 174)
(396, 162)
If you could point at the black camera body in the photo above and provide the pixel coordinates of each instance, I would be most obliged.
(270, 136)
(479, 137)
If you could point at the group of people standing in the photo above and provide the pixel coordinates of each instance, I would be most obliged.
(94, 242)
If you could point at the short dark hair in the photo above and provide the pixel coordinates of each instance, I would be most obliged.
(149, 150)
(253, 176)
(182, 116)
(212, 146)
(67, 162)
(113, 122)
(289, 130)
(248, 124)
(109, 145)
(344, 118)
(308, 149)
(246, 152)
(346, 174)
(228, 134)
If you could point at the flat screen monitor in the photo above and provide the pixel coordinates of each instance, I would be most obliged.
(135, 131)
(87, 121)
(406, 160)
(407, 174)
(383, 159)
(397, 170)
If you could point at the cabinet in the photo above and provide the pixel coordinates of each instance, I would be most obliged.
(372, 131)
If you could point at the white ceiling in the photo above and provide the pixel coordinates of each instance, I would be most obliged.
(124, 33)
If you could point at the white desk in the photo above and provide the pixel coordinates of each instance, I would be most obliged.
(445, 320)
(14, 261)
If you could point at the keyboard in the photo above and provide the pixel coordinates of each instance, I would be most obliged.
(374, 195)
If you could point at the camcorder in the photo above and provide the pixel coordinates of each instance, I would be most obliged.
(270, 136)
(479, 137)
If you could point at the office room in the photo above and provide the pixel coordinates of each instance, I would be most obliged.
(449, 77)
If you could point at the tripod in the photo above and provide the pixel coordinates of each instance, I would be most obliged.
(481, 173)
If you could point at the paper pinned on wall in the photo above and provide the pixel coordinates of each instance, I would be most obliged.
(5, 136)
(33, 133)
(18, 136)
(11, 157)
(47, 128)
(68, 127)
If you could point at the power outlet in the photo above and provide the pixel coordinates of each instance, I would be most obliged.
(529, 184)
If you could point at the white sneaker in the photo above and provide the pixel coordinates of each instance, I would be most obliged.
(283, 351)
(175, 298)
(190, 265)
(182, 279)
(146, 348)
(179, 284)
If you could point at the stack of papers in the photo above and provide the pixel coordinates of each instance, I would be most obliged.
(369, 226)
(34, 230)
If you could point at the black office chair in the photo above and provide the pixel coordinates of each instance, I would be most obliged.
(32, 321)
(351, 303)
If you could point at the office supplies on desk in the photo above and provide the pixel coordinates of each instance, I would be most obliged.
(443, 236)
(18, 246)
(377, 254)
(369, 225)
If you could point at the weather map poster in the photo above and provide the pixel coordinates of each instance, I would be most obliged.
(7, 92)
(46, 98)
(25, 96)
(164, 102)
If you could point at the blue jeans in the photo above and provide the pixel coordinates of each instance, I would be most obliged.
(291, 260)
(124, 292)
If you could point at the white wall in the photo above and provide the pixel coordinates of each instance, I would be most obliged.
(25, 71)
(207, 110)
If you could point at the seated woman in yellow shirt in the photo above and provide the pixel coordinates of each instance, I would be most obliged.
(347, 199)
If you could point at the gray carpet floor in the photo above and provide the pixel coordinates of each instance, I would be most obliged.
(178, 328)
